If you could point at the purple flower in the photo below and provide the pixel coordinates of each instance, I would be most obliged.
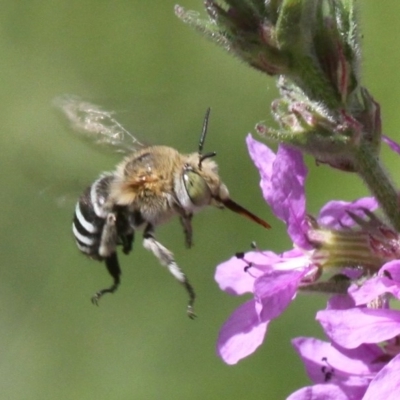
(358, 367)
(272, 278)
(386, 281)
(367, 372)
(368, 319)
(282, 184)
(338, 373)
(362, 361)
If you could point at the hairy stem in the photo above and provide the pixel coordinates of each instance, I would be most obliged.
(379, 183)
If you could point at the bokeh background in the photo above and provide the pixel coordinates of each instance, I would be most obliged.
(137, 58)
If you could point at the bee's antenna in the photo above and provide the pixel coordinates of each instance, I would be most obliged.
(202, 157)
(204, 130)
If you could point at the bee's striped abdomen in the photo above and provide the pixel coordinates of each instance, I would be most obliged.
(89, 217)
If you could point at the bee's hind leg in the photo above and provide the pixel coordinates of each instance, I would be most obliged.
(114, 270)
(166, 258)
(107, 250)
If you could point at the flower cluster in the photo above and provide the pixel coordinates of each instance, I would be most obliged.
(360, 248)
(313, 48)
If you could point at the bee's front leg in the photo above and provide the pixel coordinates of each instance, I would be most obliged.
(186, 222)
(166, 258)
(107, 249)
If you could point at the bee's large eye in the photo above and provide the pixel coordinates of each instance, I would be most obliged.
(196, 188)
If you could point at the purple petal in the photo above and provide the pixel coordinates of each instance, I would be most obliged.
(286, 261)
(274, 292)
(263, 158)
(288, 197)
(282, 184)
(351, 328)
(386, 384)
(334, 213)
(393, 268)
(235, 277)
(391, 143)
(352, 273)
(344, 364)
(232, 277)
(340, 302)
(323, 392)
(372, 289)
(241, 334)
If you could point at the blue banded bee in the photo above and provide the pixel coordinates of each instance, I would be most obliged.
(151, 185)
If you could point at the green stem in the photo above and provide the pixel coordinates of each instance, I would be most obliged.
(379, 183)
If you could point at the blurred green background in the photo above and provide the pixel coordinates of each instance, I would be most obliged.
(137, 58)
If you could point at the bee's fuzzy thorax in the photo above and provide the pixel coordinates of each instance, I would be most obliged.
(144, 175)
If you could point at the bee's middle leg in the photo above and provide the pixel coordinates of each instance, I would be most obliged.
(127, 242)
(166, 258)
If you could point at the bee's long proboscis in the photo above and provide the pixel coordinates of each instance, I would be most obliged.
(237, 208)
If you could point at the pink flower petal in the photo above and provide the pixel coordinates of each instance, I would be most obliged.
(321, 392)
(335, 213)
(287, 198)
(340, 302)
(353, 327)
(263, 158)
(393, 268)
(282, 184)
(319, 356)
(391, 143)
(241, 334)
(372, 289)
(386, 384)
(275, 291)
(232, 277)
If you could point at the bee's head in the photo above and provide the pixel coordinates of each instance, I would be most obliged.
(200, 178)
(202, 185)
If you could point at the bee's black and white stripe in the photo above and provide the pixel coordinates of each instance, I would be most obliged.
(90, 216)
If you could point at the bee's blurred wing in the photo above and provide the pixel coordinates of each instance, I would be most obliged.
(96, 124)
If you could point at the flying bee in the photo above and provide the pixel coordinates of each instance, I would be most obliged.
(151, 185)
